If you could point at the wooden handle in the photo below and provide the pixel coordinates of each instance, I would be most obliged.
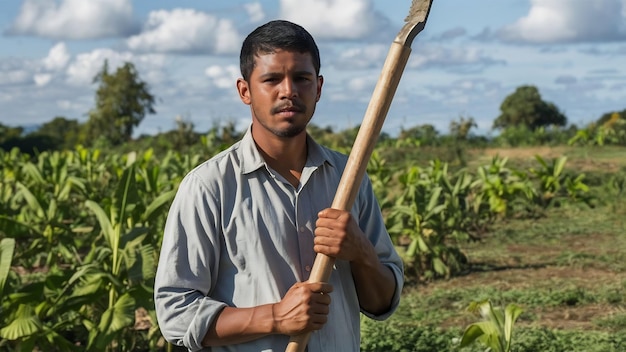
(358, 159)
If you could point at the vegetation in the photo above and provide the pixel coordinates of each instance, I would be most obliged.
(565, 270)
(496, 329)
(122, 101)
(87, 226)
(525, 107)
(480, 222)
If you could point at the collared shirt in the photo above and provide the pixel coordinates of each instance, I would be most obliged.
(239, 235)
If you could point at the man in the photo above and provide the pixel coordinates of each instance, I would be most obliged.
(245, 226)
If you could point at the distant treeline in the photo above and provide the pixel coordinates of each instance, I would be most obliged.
(122, 100)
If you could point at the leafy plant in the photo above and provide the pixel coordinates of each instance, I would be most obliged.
(122, 265)
(7, 248)
(554, 183)
(427, 215)
(495, 331)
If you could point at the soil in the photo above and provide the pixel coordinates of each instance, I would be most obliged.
(576, 316)
(608, 163)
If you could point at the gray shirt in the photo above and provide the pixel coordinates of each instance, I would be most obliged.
(238, 234)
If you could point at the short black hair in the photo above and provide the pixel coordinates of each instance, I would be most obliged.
(273, 35)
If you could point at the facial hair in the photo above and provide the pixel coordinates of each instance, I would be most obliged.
(292, 130)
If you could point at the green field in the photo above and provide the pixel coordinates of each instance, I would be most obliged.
(566, 270)
(81, 230)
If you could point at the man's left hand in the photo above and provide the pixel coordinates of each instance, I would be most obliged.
(338, 235)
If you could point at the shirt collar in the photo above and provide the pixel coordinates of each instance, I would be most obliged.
(252, 160)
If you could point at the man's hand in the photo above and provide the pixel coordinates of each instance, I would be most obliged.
(304, 308)
(338, 235)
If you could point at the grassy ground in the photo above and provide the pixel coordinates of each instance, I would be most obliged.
(566, 270)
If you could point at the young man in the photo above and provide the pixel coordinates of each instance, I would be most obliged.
(245, 226)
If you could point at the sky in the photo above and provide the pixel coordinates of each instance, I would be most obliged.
(468, 59)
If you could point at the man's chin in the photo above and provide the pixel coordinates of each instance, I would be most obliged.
(289, 132)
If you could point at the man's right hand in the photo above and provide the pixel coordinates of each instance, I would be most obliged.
(304, 308)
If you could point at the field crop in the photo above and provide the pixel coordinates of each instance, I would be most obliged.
(542, 228)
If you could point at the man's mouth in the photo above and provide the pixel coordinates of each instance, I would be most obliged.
(288, 109)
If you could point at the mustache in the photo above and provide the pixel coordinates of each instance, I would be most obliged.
(292, 106)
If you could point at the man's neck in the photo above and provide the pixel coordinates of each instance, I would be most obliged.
(287, 156)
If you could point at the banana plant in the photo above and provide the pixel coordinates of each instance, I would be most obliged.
(120, 237)
(380, 175)
(7, 248)
(495, 331)
(419, 215)
(500, 188)
(41, 207)
(554, 183)
(550, 177)
(29, 318)
(126, 261)
(91, 299)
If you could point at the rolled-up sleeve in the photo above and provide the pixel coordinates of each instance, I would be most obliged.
(187, 267)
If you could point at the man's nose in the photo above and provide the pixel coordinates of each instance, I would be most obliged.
(288, 88)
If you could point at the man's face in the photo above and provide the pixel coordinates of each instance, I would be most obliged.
(282, 92)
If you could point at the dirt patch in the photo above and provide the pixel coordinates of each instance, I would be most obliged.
(580, 163)
(583, 317)
(530, 277)
(541, 268)
(574, 318)
(525, 153)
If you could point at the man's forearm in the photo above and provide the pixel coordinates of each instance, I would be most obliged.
(239, 325)
(375, 283)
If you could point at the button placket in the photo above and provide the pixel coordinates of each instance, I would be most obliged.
(305, 239)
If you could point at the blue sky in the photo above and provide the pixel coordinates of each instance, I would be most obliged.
(471, 55)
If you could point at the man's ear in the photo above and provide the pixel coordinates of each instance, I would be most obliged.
(320, 82)
(244, 91)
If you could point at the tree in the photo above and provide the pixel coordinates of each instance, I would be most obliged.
(426, 134)
(122, 101)
(525, 107)
(460, 132)
(611, 128)
(9, 133)
(611, 117)
(461, 129)
(64, 132)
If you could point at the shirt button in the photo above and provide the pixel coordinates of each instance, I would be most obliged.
(302, 229)
(307, 268)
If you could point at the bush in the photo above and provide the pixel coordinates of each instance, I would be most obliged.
(403, 337)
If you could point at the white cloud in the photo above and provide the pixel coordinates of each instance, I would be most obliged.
(69, 105)
(42, 79)
(360, 84)
(52, 66)
(87, 65)
(457, 59)
(362, 57)
(74, 19)
(223, 77)
(186, 31)
(334, 19)
(16, 72)
(255, 12)
(58, 57)
(16, 76)
(553, 21)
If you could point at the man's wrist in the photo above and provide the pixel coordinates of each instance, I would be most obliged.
(266, 319)
(274, 323)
